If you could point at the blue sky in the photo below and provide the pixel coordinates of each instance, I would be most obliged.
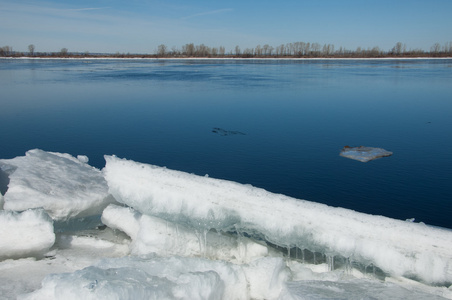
(140, 26)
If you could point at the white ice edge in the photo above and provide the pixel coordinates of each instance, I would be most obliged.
(397, 247)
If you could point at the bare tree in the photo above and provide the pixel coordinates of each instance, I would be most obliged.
(161, 50)
(188, 49)
(375, 51)
(31, 49)
(237, 50)
(399, 48)
(328, 49)
(435, 48)
(6, 50)
(63, 52)
(315, 48)
(175, 51)
(258, 50)
(222, 51)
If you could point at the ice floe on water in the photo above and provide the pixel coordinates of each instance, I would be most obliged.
(138, 231)
(364, 154)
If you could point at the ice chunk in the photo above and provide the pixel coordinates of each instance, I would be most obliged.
(83, 158)
(352, 289)
(163, 278)
(364, 154)
(267, 277)
(153, 235)
(201, 203)
(64, 186)
(25, 234)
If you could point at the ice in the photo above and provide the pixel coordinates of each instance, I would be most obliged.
(154, 235)
(167, 278)
(29, 233)
(364, 154)
(66, 187)
(397, 247)
(351, 289)
(176, 235)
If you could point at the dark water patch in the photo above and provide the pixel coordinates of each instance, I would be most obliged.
(223, 132)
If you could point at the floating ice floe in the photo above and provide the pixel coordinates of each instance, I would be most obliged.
(364, 154)
(66, 187)
(29, 233)
(200, 203)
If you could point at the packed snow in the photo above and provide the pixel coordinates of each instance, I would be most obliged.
(29, 233)
(364, 154)
(138, 231)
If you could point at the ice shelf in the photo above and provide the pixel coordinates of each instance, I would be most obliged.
(398, 247)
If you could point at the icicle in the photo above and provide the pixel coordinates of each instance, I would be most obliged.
(302, 256)
(330, 260)
(314, 259)
(205, 242)
(348, 266)
(200, 242)
(288, 252)
(177, 235)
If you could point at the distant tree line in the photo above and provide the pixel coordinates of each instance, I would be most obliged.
(289, 50)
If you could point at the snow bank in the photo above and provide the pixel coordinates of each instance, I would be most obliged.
(201, 203)
(154, 235)
(25, 234)
(165, 278)
(66, 187)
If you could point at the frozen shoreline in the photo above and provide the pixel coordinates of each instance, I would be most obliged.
(180, 234)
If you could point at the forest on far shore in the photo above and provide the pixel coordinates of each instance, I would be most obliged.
(289, 50)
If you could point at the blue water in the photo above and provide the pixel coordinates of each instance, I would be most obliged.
(281, 123)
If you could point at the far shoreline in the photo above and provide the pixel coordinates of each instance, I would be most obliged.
(221, 58)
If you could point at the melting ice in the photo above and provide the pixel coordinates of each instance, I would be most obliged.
(147, 232)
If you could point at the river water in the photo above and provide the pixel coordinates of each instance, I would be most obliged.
(274, 124)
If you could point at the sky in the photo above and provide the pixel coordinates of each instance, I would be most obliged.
(139, 26)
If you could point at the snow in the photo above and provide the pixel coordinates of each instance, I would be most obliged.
(64, 186)
(165, 278)
(201, 203)
(364, 154)
(172, 235)
(25, 234)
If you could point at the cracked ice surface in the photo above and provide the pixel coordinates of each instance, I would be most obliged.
(201, 203)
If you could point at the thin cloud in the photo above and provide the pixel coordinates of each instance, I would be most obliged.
(213, 12)
(83, 9)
